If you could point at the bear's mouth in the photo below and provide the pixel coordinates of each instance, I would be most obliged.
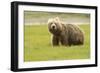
(55, 31)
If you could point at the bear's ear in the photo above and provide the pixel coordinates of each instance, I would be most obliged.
(50, 20)
(57, 18)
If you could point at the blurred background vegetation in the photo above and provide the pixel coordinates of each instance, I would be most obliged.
(31, 17)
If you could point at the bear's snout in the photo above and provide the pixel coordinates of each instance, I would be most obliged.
(53, 26)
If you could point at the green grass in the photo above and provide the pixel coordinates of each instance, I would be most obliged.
(38, 47)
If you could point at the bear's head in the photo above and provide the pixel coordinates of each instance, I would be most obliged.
(55, 26)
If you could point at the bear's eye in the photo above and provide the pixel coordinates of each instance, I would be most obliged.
(51, 23)
(55, 23)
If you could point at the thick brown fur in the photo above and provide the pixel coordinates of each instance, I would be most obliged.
(66, 34)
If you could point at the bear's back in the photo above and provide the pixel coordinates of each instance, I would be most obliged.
(75, 34)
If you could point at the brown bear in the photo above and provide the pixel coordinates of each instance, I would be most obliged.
(65, 34)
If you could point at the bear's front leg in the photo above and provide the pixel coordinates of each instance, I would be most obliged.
(55, 41)
(64, 41)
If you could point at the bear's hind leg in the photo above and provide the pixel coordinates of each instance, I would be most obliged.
(55, 41)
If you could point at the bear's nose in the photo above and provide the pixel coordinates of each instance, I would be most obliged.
(53, 27)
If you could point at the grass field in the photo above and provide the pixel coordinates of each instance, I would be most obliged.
(37, 45)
